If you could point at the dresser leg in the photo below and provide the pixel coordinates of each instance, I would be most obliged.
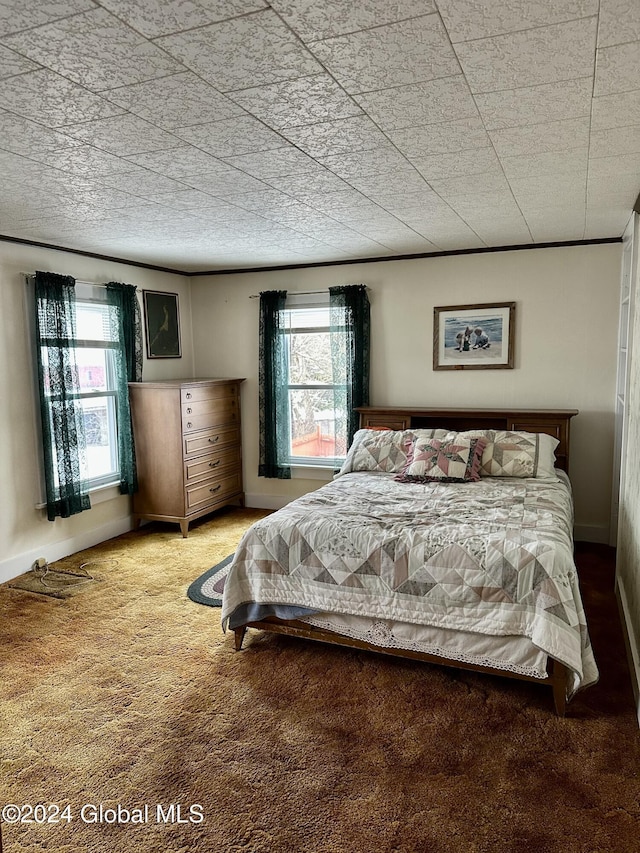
(184, 526)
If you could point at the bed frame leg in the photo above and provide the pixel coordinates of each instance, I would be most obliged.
(559, 676)
(240, 632)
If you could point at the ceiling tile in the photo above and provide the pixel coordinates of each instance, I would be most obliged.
(306, 185)
(390, 184)
(333, 17)
(16, 15)
(254, 50)
(619, 140)
(476, 19)
(605, 190)
(541, 55)
(22, 136)
(337, 137)
(548, 163)
(619, 22)
(619, 164)
(270, 164)
(178, 100)
(141, 183)
(540, 138)
(381, 159)
(224, 183)
(84, 160)
(12, 63)
(238, 135)
(611, 111)
(606, 223)
(306, 100)
(122, 135)
(535, 104)
(187, 199)
(94, 49)
(444, 138)
(155, 18)
(617, 69)
(410, 51)
(420, 104)
(540, 191)
(179, 162)
(52, 100)
(477, 161)
(471, 185)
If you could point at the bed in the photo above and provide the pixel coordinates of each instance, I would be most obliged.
(446, 538)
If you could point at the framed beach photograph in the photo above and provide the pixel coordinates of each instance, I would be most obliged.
(161, 324)
(474, 337)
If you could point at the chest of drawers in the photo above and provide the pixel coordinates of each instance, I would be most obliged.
(188, 448)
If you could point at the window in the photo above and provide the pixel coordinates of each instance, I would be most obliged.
(93, 360)
(317, 430)
(88, 346)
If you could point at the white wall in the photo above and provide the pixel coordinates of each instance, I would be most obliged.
(566, 336)
(25, 532)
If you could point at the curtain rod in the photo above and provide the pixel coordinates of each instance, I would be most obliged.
(299, 292)
(77, 280)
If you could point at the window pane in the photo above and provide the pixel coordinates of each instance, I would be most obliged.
(92, 322)
(310, 359)
(312, 425)
(92, 369)
(99, 417)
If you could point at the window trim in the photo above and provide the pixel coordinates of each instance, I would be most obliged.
(316, 464)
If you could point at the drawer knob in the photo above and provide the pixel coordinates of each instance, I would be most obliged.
(188, 395)
(213, 440)
(216, 488)
(189, 424)
(214, 464)
(189, 410)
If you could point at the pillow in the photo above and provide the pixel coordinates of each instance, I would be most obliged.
(381, 450)
(455, 458)
(517, 454)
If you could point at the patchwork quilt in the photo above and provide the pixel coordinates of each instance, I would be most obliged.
(493, 557)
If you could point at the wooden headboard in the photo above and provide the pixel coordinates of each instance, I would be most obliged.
(554, 422)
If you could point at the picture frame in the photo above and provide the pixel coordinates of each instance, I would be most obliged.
(161, 324)
(474, 337)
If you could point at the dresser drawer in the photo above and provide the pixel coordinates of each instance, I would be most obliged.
(194, 393)
(211, 491)
(210, 439)
(206, 413)
(213, 463)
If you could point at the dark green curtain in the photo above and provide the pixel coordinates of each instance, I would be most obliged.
(126, 334)
(350, 346)
(62, 423)
(273, 375)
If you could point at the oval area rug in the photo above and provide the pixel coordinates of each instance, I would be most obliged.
(208, 588)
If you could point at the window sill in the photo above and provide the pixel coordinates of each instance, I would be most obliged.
(98, 495)
(311, 472)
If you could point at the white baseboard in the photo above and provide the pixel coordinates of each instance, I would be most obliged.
(591, 533)
(266, 501)
(53, 551)
(632, 646)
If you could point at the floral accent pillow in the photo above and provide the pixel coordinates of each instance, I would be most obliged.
(386, 450)
(517, 454)
(453, 459)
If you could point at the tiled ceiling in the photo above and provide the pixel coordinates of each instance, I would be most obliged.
(215, 134)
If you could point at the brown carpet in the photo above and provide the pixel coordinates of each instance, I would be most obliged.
(129, 693)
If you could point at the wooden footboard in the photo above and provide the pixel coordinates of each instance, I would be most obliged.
(556, 678)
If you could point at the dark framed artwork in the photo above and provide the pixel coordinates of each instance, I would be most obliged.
(161, 324)
(474, 337)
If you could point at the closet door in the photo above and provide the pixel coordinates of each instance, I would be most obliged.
(627, 294)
